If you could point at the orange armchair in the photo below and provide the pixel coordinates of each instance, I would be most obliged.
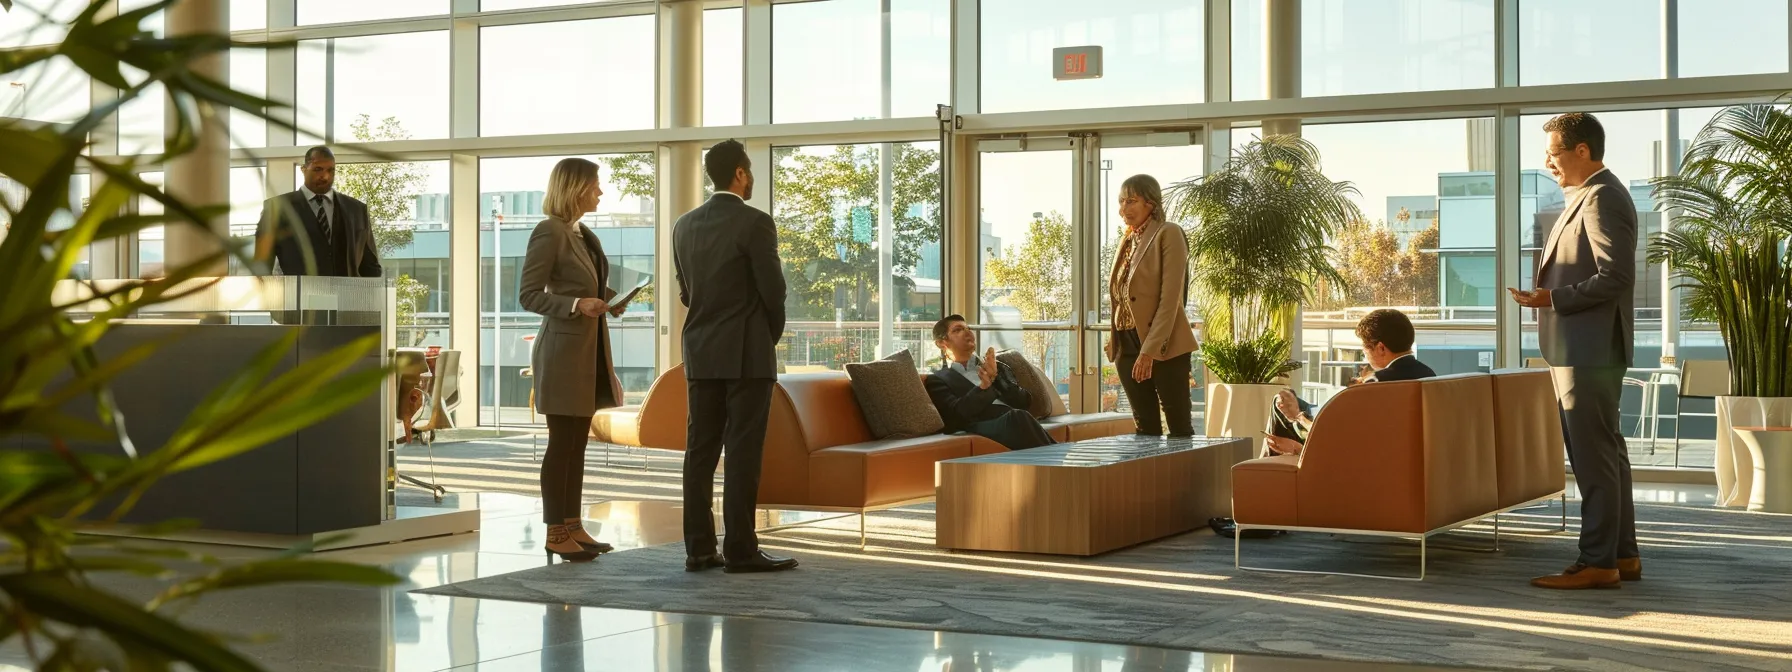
(1410, 459)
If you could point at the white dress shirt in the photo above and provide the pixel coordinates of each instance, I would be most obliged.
(329, 200)
(970, 372)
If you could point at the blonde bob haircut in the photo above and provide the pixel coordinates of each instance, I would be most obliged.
(567, 186)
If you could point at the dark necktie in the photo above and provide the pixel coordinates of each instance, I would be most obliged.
(323, 218)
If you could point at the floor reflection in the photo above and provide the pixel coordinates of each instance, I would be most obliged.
(393, 629)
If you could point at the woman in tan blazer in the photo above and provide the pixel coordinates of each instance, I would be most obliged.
(565, 276)
(1152, 339)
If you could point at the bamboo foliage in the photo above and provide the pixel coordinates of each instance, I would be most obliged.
(1729, 243)
(1260, 246)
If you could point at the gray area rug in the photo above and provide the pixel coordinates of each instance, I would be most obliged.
(1716, 596)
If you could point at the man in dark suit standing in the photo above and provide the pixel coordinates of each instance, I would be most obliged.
(980, 395)
(317, 230)
(1585, 295)
(725, 253)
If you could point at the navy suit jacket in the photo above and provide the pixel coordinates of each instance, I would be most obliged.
(961, 402)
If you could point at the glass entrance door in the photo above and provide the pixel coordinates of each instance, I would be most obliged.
(1170, 158)
(1049, 227)
(1027, 208)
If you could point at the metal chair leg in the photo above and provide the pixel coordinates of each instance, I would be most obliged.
(1422, 556)
(432, 485)
(861, 530)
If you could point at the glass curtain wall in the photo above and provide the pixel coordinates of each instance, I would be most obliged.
(388, 74)
(1025, 215)
(829, 203)
(1425, 244)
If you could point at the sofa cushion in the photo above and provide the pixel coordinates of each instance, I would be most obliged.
(1527, 434)
(1085, 426)
(1046, 402)
(879, 472)
(619, 426)
(1264, 491)
(894, 401)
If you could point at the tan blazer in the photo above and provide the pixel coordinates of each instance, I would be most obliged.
(1159, 285)
(571, 361)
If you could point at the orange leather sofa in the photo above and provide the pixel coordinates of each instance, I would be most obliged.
(1412, 458)
(819, 453)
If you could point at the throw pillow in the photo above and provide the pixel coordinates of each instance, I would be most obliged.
(894, 401)
(1046, 402)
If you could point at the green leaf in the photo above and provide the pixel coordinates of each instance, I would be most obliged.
(56, 598)
(52, 422)
(15, 60)
(118, 564)
(279, 571)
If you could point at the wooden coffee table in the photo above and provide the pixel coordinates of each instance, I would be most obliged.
(1086, 497)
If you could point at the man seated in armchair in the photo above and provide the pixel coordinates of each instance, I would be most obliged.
(1387, 337)
(979, 394)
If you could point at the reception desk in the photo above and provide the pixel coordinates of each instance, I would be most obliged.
(336, 478)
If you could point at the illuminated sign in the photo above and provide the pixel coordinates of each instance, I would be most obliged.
(1076, 63)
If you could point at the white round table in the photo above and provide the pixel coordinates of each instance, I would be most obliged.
(1771, 448)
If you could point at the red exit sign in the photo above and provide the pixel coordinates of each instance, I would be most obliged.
(1076, 63)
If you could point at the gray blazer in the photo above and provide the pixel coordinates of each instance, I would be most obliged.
(1589, 267)
(571, 361)
(726, 255)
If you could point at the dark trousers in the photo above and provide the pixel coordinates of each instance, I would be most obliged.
(1166, 390)
(563, 468)
(732, 414)
(1284, 426)
(1015, 429)
(1601, 461)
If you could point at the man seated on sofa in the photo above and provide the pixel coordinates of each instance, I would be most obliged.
(1387, 337)
(979, 394)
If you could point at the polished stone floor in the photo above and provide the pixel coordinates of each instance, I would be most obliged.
(391, 629)
(336, 628)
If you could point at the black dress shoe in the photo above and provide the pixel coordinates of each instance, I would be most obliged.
(698, 563)
(759, 562)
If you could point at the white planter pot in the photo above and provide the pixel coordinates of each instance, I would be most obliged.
(1240, 410)
(1735, 466)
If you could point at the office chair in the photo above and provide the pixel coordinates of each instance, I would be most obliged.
(422, 426)
(448, 371)
(1699, 379)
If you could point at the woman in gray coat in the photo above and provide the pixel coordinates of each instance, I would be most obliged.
(565, 277)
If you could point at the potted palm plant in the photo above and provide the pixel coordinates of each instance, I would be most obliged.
(1259, 247)
(1728, 246)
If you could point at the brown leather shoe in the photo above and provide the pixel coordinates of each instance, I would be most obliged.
(1630, 569)
(1579, 577)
